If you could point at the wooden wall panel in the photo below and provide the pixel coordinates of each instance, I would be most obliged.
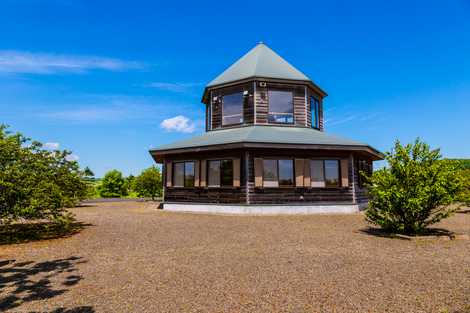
(300, 117)
(299, 172)
(169, 173)
(344, 172)
(261, 98)
(236, 172)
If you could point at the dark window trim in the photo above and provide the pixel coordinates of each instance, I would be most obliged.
(324, 171)
(277, 168)
(220, 173)
(184, 173)
(291, 90)
(338, 161)
(242, 113)
(317, 111)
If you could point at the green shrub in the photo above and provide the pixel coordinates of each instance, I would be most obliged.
(149, 183)
(414, 191)
(113, 185)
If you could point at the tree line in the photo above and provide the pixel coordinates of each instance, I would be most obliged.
(148, 184)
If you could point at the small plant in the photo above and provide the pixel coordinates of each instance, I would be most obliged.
(414, 191)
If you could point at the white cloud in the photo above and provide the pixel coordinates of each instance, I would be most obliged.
(51, 145)
(174, 87)
(72, 157)
(178, 123)
(12, 61)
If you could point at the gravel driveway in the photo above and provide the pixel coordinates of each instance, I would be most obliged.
(134, 258)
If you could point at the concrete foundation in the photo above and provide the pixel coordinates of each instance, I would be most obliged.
(261, 209)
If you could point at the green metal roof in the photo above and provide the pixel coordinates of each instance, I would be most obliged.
(262, 135)
(260, 61)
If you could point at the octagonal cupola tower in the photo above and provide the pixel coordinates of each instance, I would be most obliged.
(264, 150)
(262, 88)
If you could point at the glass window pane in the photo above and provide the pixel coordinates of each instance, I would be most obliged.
(281, 106)
(286, 172)
(316, 173)
(270, 173)
(232, 109)
(214, 173)
(332, 173)
(226, 168)
(314, 107)
(178, 174)
(189, 174)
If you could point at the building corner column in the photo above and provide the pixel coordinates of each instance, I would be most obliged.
(247, 177)
(353, 178)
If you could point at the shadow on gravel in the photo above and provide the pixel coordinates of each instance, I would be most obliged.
(78, 309)
(24, 232)
(430, 232)
(22, 282)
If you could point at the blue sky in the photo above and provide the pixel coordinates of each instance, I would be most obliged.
(100, 78)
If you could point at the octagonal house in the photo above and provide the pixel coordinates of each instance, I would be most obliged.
(264, 150)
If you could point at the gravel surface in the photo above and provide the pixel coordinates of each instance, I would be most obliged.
(134, 258)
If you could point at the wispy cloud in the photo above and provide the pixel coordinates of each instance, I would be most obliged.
(51, 145)
(351, 118)
(174, 87)
(90, 109)
(13, 61)
(178, 123)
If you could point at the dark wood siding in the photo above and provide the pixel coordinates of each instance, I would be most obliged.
(208, 194)
(248, 110)
(248, 193)
(261, 98)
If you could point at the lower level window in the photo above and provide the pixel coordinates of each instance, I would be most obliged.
(324, 173)
(183, 174)
(278, 173)
(220, 173)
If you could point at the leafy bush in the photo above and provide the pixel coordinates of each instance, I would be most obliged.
(414, 191)
(149, 183)
(465, 195)
(36, 183)
(113, 185)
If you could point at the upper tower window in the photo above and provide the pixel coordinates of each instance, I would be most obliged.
(281, 107)
(232, 109)
(315, 110)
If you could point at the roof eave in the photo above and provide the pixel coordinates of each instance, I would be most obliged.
(158, 154)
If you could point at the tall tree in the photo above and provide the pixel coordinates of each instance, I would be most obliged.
(35, 182)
